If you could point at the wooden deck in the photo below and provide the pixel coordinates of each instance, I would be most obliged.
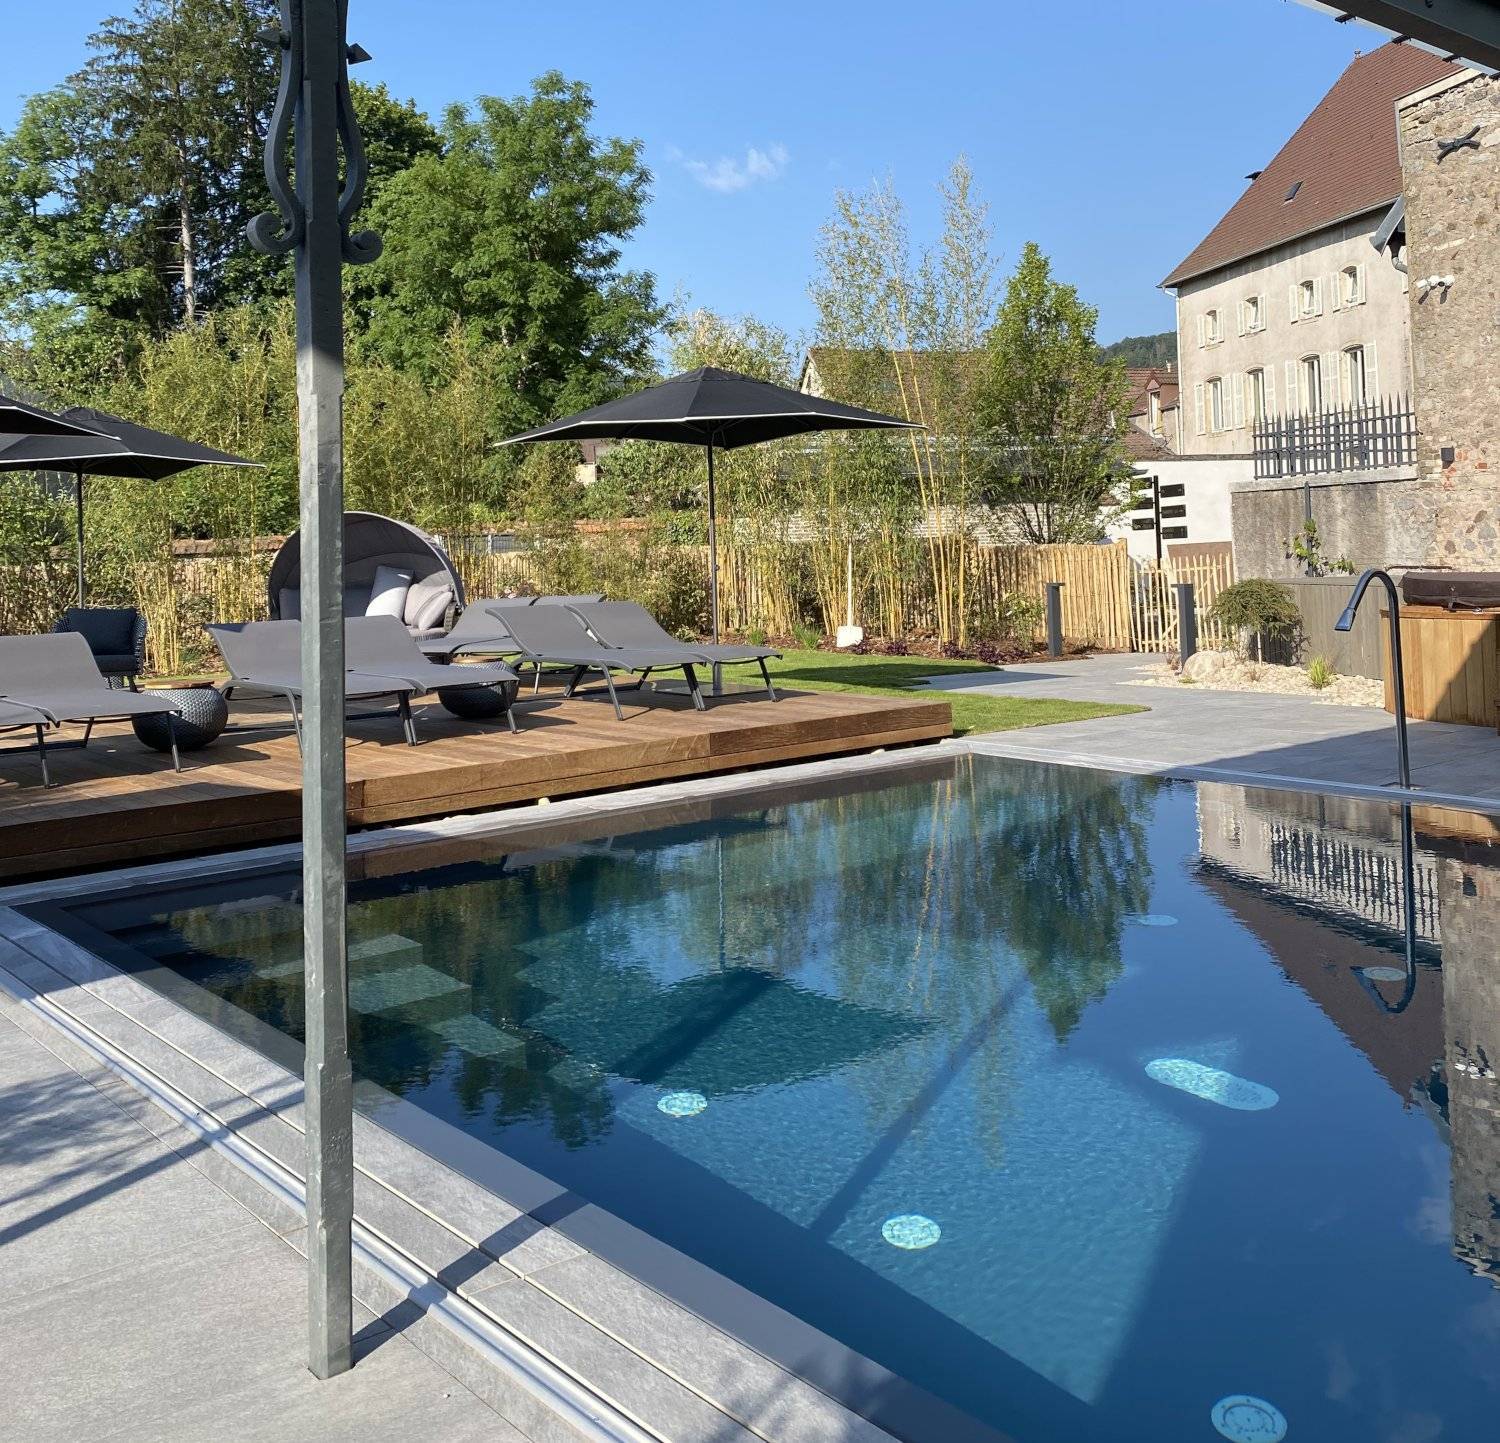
(119, 802)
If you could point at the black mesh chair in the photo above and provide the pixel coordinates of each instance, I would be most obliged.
(117, 637)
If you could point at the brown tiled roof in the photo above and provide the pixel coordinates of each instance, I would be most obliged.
(1142, 446)
(1344, 154)
(1141, 377)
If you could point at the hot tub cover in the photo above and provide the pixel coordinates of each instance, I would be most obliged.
(1456, 590)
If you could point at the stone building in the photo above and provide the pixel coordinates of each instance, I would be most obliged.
(1450, 158)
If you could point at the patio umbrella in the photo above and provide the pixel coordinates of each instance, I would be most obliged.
(17, 419)
(713, 409)
(105, 445)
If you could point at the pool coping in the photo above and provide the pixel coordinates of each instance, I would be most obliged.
(515, 1287)
(500, 1284)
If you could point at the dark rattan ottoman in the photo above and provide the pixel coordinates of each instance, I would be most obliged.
(478, 703)
(202, 716)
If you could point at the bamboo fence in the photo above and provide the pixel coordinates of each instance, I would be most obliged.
(1109, 601)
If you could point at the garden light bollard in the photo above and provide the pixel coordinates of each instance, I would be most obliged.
(1054, 618)
(1187, 621)
(315, 209)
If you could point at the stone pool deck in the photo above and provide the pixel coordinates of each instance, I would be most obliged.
(142, 1300)
(1278, 738)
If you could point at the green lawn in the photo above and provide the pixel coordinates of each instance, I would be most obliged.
(899, 675)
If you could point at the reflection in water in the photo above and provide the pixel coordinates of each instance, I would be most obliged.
(1440, 877)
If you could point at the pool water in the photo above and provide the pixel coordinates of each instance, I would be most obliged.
(1096, 1106)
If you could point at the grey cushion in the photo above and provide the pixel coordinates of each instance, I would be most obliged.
(427, 602)
(109, 630)
(388, 592)
(290, 604)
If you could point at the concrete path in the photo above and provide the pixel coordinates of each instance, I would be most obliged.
(1274, 736)
(141, 1303)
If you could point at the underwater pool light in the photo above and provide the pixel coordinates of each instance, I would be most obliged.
(1243, 1419)
(682, 1104)
(910, 1231)
(1212, 1084)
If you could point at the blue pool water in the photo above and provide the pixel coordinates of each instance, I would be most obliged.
(1062, 1095)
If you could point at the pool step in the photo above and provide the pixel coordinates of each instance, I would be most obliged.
(417, 993)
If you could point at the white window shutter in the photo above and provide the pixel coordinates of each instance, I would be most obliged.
(1359, 284)
(1294, 304)
(1372, 374)
(1330, 367)
(1317, 286)
(1202, 331)
(1336, 291)
(1198, 405)
(1239, 317)
(1270, 374)
(1239, 401)
(1291, 388)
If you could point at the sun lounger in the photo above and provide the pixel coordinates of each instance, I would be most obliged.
(478, 632)
(556, 636)
(56, 674)
(265, 659)
(628, 624)
(382, 646)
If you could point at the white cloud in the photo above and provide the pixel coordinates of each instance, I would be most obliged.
(728, 173)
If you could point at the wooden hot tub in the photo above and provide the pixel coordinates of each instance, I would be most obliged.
(1452, 662)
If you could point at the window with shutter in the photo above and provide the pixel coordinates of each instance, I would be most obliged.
(1202, 332)
(1291, 388)
(1329, 370)
(1198, 405)
(1239, 318)
(1335, 291)
(1269, 377)
(1238, 389)
(1293, 304)
(1372, 375)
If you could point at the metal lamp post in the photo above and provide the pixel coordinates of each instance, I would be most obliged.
(312, 220)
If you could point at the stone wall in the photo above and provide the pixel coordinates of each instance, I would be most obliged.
(1453, 229)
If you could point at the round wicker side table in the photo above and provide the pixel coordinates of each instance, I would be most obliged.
(202, 715)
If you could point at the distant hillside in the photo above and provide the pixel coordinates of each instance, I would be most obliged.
(1145, 350)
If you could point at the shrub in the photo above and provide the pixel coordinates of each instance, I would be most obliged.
(809, 638)
(756, 636)
(1319, 672)
(1257, 608)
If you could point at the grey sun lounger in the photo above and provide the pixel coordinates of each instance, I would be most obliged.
(56, 675)
(265, 659)
(627, 623)
(556, 636)
(479, 631)
(382, 646)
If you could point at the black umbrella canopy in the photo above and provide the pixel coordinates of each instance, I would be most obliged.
(103, 445)
(710, 407)
(17, 420)
(716, 410)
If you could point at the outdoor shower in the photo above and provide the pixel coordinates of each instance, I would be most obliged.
(1398, 680)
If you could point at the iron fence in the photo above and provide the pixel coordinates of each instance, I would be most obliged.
(1366, 436)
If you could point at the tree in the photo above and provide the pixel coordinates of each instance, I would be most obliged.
(515, 231)
(125, 191)
(1054, 410)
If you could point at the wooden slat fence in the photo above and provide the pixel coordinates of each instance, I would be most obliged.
(1154, 625)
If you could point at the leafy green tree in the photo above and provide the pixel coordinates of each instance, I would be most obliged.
(125, 191)
(1054, 409)
(515, 231)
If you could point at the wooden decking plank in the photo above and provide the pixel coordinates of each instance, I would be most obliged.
(116, 801)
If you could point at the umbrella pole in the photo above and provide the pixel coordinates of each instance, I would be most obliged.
(713, 571)
(78, 524)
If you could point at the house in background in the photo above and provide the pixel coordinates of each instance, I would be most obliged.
(1292, 310)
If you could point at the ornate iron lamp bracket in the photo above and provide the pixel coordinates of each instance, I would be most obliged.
(275, 233)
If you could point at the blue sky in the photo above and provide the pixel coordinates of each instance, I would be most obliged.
(1112, 134)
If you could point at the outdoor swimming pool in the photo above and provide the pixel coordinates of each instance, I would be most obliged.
(1098, 1107)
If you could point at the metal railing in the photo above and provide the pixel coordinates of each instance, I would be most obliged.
(1366, 436)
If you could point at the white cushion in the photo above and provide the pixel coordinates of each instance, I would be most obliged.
(388, 592)
(290, 603)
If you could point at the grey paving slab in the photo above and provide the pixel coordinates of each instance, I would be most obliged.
(141, 1302)
(1251, 732)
